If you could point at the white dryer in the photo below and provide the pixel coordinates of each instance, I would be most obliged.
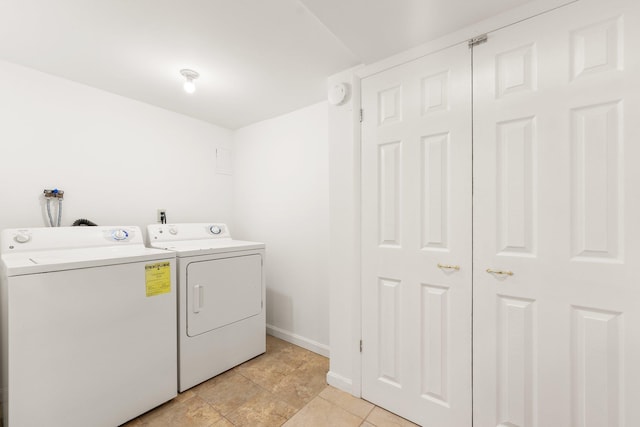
(88, 326)
(221, 312)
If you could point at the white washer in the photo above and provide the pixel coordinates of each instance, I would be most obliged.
(88, 326)
(221, 313)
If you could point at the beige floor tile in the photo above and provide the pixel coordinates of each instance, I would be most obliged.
(223, 377)
(381, 418)
(265, 391)
(293, 355)
(223, 423)
(195, 412)
(226, 396)
(302, 385)
(266, 370)
(159, 414)
(181, 397)
(320, 412)
(163, 421)
(358, 407)
(366, 424)
(263, 410)
(274, 344)
(133, 423)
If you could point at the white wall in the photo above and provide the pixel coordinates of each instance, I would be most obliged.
(117, 160)
(281, 198)
(344, 255)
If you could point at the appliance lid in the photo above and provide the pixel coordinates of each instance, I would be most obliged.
(207, 246)
(21, 263)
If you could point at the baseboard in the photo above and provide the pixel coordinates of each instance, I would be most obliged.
(340, 382)
(303, 342)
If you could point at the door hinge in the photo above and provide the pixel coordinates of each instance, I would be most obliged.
(361, 115)
(360, 346)
(478, 40)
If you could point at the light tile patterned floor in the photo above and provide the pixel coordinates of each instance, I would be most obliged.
(283, 387)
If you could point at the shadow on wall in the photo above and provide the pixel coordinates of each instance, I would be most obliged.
(279, 310)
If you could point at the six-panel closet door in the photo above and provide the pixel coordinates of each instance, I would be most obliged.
(556, 234)
(416, 239)
(556, 249)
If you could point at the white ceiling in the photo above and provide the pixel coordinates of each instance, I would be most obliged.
(257, 58)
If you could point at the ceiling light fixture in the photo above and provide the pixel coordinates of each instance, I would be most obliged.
(190, 76)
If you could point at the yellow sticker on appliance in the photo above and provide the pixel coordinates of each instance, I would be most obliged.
(157, 278)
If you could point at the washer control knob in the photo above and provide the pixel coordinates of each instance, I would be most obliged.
(120, 234)
(22, 237)
(215, 229)
(173, 230)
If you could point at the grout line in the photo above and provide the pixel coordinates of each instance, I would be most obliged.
(370, 410)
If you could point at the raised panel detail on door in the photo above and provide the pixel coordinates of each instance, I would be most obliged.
(390, 106)
(416, 239)
(517, 382)
(389, 330)
(434, 172)
(435, 338)
(516, 71)
(516, 186)
(596, 173)
(556, 305)
(597, 372)
(390, 198)
(597, 48)
(435, 93)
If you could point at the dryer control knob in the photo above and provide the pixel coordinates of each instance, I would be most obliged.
(215, 229)
(173, 230)
(120, 234)
(22, 238)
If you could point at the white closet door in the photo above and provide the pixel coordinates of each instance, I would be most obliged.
(416, 239)
(557, 203)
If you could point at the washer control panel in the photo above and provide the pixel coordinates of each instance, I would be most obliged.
(120, 234)
(56, 238)
(22, 236)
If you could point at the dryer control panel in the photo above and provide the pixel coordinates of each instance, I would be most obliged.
(196, 231)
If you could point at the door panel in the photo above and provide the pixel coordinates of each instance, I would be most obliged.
(556, 102)
(416, 239)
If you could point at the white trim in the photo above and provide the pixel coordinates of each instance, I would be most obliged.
(311, 345)
(356, 303)
(340, 382)
(527, 11)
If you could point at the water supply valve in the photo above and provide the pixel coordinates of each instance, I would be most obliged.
(54, 194)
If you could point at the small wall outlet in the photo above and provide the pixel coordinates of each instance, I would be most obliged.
(162, 216)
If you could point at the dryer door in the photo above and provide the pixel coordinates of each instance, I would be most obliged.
(223, 291)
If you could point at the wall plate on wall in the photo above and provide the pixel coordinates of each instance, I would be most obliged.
(338, 94)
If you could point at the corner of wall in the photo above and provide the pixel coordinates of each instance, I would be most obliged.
(339, 382)
(344, 237)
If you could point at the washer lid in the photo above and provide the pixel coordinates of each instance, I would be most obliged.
(21, 263)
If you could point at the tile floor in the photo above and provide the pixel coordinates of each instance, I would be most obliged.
(283, 387)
